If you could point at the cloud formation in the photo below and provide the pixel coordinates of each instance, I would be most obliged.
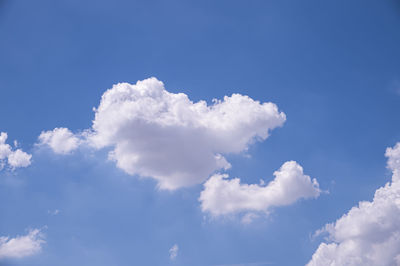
(12, 158)
(173, 252)
(154, 133)
(21, 246)
(223, 196)
(60, 140)
(369, 234)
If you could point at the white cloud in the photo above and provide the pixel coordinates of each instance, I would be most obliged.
(223, 196)
(5, 149)
(19, 158)
(21, 246)
(60, 140)
(163, 135)
(369, 234)
(173, 252)
(154, 133)
(13, 158)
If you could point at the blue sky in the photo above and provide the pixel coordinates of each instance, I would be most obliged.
(332, 67)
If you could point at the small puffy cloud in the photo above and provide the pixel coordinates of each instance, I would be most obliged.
(163, 135)
(19, 158)
(60, 140)
(21, 246)
(13, 158)
(223, 196)
(173, 252)
(5, 149)
(369, 234)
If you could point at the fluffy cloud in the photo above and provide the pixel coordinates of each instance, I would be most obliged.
(19, 158)
(154, 133)
(173, 252)
(13, 158)
(166, 136)
(21, 246)
(228, 196)
(60, 140)
(369, 234)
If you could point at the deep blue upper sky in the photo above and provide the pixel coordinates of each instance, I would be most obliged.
(332, 66)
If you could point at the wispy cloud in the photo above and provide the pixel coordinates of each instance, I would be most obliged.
(173, 252)
(21, 246)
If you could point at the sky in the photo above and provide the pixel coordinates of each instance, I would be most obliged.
(199, 132)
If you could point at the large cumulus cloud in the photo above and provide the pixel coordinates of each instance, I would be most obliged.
(155, 133)
(172, 139)
(369, 234)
